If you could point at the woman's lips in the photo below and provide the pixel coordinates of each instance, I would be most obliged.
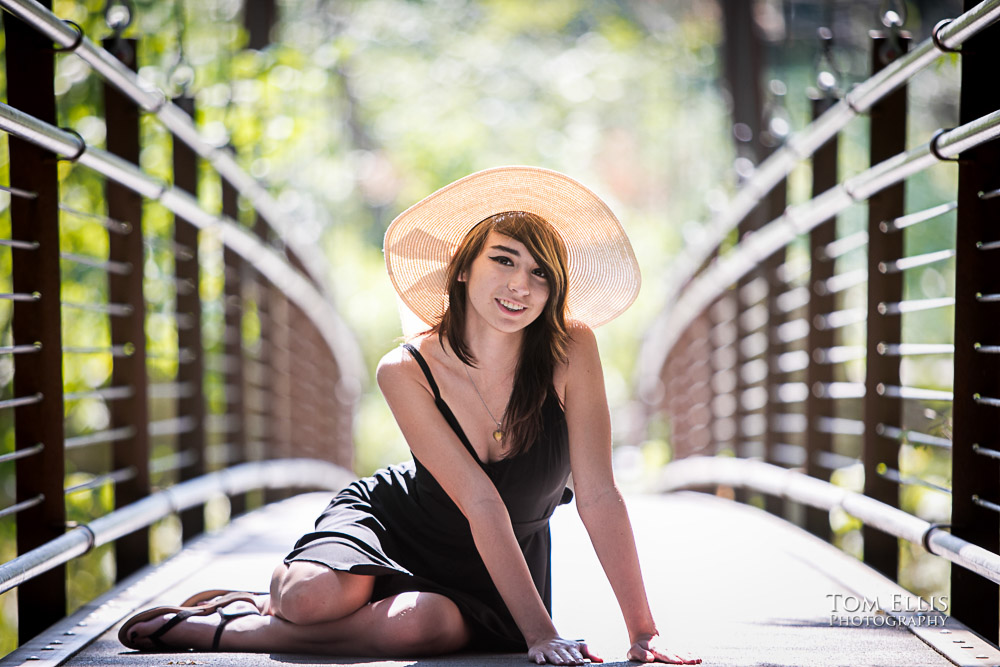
(510, 311)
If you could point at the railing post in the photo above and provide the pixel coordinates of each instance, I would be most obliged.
(819, 441)
(742, 445)
(888, 137)
(122, 117)
(30, 88)
(976, 434)
(258, 19)
(191, 354)
(302, 431)
(281, 381)
(774, 205)
(723, 344)
(235, 388)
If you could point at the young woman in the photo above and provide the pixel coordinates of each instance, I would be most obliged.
(500, 399)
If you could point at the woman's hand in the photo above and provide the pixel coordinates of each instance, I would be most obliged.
(652, 648)
(559, 651)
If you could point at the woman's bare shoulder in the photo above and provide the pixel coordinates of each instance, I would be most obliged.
(580, 351)
(582, 342)
(398, 365)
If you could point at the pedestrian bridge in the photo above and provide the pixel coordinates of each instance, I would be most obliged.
(799, 364)
(727, 582)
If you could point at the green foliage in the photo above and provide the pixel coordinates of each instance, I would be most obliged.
(361, 108)
(355, 112)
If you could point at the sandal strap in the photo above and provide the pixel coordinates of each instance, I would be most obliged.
(178, 618)
(224, 622)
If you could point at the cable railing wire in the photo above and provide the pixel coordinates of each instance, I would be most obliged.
(21, 401)
(22, 453)
(911, 437)
(275, 474)
(898, 477)
(800, 219)
(114, 477)
(18, 192)
(264, 259)
(802, 145)
(20, 296)
(699, 472)
(112, 309)
(20, 245)
(902, 222)
(176, 120)
(21, 349)
(108, 223)
(21, 506)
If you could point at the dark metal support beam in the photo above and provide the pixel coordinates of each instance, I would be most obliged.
(125, 205)
(888, 138)
(191, 367)
(30, 88)
(234, 278)
(259, 17)
(744, 66)
(973, 600)
(775, 205)
(819, 441)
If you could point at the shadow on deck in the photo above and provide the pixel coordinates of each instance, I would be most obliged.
(727, 582)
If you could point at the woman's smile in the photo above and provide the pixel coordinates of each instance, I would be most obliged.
(510, 306)
(506, 274)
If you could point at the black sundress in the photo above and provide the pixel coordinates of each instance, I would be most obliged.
(400, 524)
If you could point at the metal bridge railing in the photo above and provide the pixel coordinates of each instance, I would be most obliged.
(198, 387)
(800, 360)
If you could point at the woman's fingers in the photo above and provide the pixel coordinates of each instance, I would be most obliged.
(651, 650)
(640, 654)
(587, 653)
(562, 652)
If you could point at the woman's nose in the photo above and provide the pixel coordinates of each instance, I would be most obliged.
(518, 283)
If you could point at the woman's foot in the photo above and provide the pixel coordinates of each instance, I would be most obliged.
(223, 596)
(177, 628)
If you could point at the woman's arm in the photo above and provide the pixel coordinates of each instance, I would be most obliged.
(598, 499)
(438, 448)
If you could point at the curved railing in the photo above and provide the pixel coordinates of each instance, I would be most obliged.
(217, 365)
(814, 364)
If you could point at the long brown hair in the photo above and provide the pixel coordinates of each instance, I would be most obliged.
(545, 340)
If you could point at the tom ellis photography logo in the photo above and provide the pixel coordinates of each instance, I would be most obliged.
(851, 611)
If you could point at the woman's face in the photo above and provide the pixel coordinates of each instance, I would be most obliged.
(505, 285)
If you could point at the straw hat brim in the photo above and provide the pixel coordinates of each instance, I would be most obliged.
(603, 273)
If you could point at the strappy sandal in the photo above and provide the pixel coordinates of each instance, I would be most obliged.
(181, 614)
(210, 595)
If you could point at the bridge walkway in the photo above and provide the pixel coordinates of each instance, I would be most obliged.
(732, 584)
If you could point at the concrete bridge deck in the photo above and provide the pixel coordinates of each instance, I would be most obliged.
(727, 582)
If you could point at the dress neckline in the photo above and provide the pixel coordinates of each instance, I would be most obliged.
(450, 417)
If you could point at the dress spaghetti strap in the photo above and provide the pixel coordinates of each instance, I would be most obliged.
(425, 368)
(443, 408)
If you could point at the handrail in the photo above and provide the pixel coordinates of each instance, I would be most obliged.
(264, 259)
(703, 471)
(797, 220)
(174, 118)
(273, 474)
(802, 145)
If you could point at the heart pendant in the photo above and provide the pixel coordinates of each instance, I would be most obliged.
(497, 435)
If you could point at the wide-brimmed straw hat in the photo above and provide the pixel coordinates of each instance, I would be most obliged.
(603, 273)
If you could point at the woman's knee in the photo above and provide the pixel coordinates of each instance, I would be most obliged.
(305, 593)
(425, 624)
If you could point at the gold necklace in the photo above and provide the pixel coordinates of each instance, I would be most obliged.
(497, 434)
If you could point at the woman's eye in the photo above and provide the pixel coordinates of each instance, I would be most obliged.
(540, 273)
(502, 259)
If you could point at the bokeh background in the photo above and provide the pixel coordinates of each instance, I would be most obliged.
(355, 109)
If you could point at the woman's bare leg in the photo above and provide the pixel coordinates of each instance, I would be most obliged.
(408, 624)
(305, 593)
